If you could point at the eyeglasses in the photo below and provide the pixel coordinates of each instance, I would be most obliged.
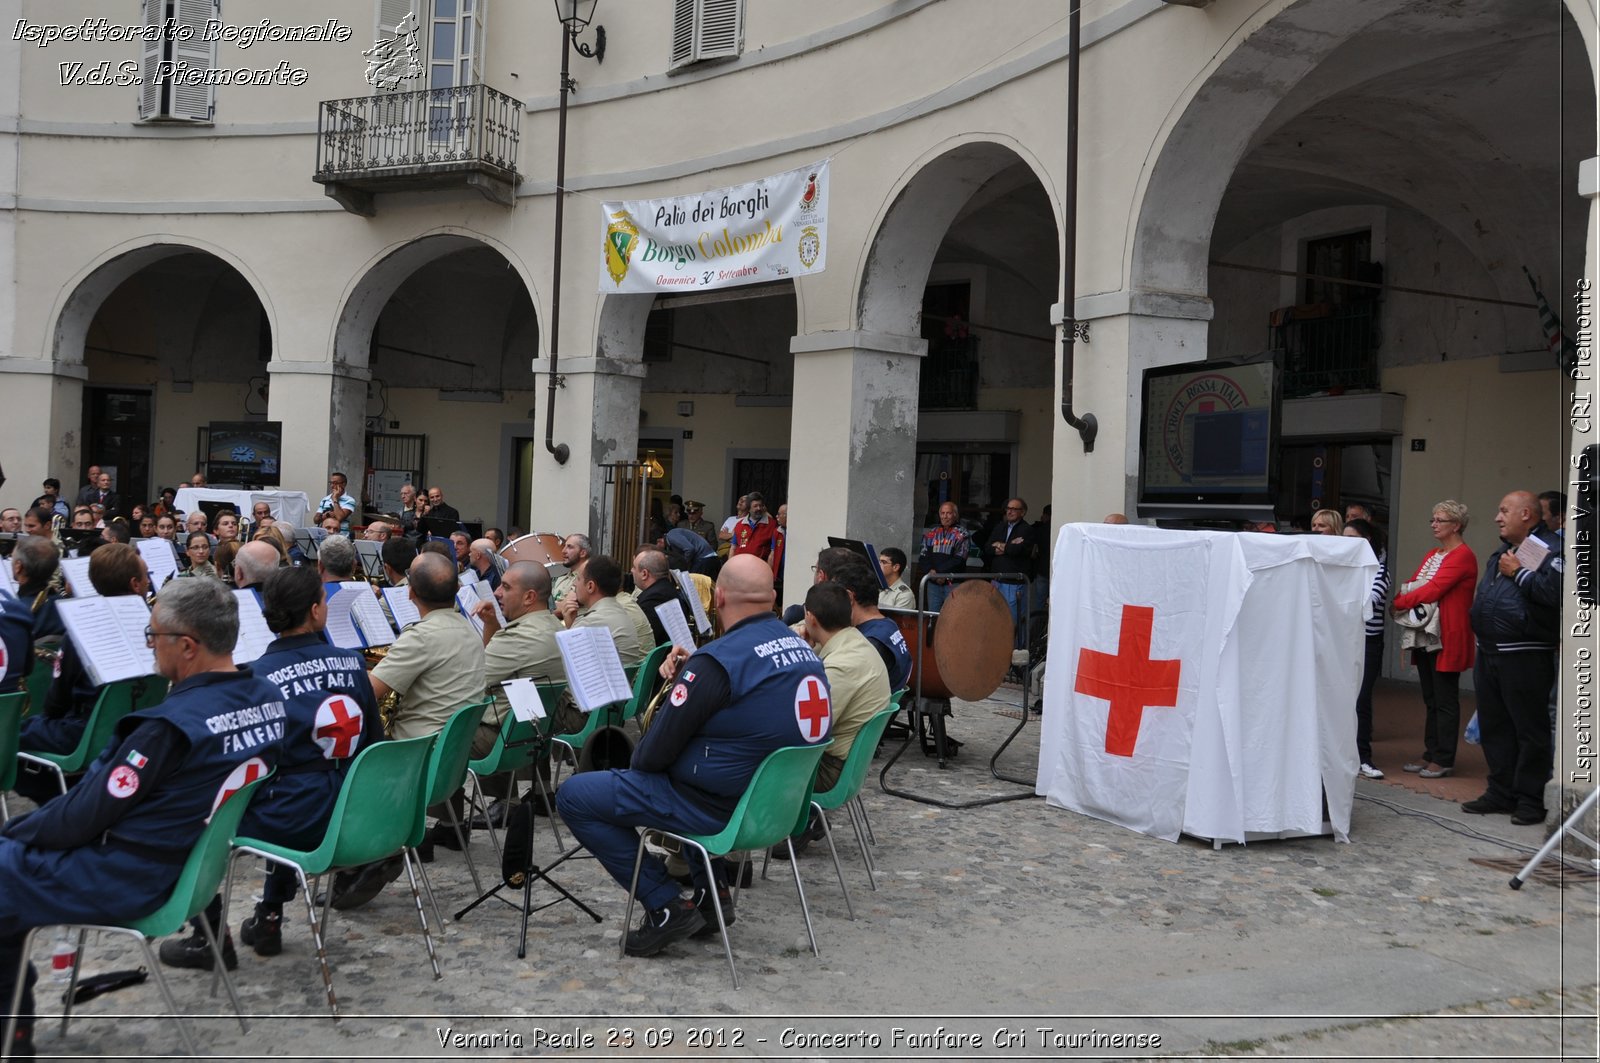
(1442, 520)
(151, 634)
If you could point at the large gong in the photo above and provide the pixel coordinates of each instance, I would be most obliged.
(972, 640)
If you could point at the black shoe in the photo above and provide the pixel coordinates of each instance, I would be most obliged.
(193, 951)
(22, 1044)
(1527, 817)
(812, 833)
(662, 927)
(708, 911)
(424, 850)
(496, 815)
(1485, 806)
(263, 931)
(368, 883)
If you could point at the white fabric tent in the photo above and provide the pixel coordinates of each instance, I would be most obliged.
(1204, 683)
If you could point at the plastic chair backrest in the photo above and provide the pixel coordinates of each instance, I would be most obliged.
(513, 747)
(859, 760)
(647, 682)
(202, 872)
(779, 793)
(447, 768)
(11, 706)
(380, 804)
(115, 701)
(38, 683)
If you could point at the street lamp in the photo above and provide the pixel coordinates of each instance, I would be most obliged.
(574, 16)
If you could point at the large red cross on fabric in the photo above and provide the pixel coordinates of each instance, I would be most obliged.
(1129, 680)
(237, 780)
(812, 708)
(338, 736)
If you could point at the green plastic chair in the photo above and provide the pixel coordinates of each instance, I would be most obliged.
(115, 701)
(447, 770)
(515, 749)
(42, 674)
(774, 805)
(12, 707)
(196, 885)
(647, 682)
(379, 813)
(846, 792)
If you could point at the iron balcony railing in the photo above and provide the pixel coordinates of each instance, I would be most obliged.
(1329, 348)
(465, 127)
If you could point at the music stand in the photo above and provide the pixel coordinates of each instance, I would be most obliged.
(306, 542)
(371, 554)
(538, 741)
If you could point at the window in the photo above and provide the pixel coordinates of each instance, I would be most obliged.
(176, 44)
(706, 29)
(449, 40)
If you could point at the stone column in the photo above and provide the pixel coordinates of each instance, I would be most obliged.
(44, 441)
(323, 407)
(852, 444)
(597, 417)
(1129, 332)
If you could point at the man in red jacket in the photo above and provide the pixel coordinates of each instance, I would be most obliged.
(753, 534)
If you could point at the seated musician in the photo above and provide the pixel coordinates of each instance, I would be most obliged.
(594, 604)
(480, 558)
(34, 563)
(255, 561)
(653, 587)
(892, 560)
(525, 647)
(435, 667)
(858, 688)
(733, 702)
(336, 560)
(114, 569)
(111, 849)
(461, 545)
(397, 554)
(574, 552)
(332, 716)
(884, 634)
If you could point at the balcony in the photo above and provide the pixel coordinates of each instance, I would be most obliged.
(461, 137)
(1329, 348)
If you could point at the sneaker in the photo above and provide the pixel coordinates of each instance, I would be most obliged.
(263, 931)
(1369, 772)
(662, 927)
(1436, 771)
(193, 951)
(1416, 767)
(1527, 817)
(708, 911)
(1485, 806)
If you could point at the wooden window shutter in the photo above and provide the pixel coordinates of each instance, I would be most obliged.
(196, 102)
(155, 12)
(683, 12)
(721, 30)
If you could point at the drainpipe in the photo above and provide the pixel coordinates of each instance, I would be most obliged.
(1086, 425)
(559, 451)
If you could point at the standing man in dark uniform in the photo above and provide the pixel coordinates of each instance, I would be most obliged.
(332, 716)
(1010, 550)
(1516, 616)
(756, 689)
(111, 849)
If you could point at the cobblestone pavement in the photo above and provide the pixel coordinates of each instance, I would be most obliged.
(1011, 930)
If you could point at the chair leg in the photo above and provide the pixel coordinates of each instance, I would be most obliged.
(550, 805)
(861, 840)
(627, 913)
(422, 916)
(222, 969)
(427, 887)
(5, 810)
(722, 923)
(466, 850)
(766, 859)
(827, 832)
(72, 982)
(805, 909)
(483, 803)
(316, 936)
(12, 1016)
(166, 993)
(865, 822)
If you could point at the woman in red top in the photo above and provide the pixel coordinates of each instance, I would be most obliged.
(1448, 576)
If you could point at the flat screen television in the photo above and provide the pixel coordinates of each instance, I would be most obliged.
(245, 452)
(1208, 440)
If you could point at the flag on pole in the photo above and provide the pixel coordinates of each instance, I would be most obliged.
(1561, 347)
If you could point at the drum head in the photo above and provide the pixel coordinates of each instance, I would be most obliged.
(542, 548)
(972, 640)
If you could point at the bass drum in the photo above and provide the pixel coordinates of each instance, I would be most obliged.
(922, 657)
(542, 548)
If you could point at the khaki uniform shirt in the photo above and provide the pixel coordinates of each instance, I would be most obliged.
(898, 596)
(524, 647)
(858, 687)
(608, 613)
(437, 667)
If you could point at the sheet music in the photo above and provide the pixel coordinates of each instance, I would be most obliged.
(254, 635)
(400, 604)
(1531, 553)
(341, 629)
(466, 599)
(469, 578)
(486, 592)
(161, 558)
(368, 615)
(671, 614)
(76, 569)
(594, 671)
(523, 696)
(701, 621)
(109, 635)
